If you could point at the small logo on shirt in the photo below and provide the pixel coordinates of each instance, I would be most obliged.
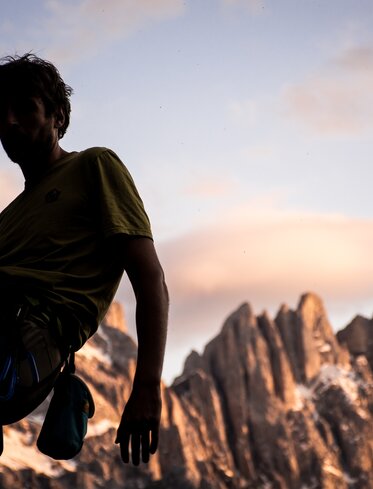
(52, 195)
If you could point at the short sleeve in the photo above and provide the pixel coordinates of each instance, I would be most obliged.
(119, 205)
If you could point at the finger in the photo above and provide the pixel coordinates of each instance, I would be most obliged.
(124, 441)
(135, 448)
(145, 446)
(154, 442)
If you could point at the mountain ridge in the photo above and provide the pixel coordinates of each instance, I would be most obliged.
(270, 403)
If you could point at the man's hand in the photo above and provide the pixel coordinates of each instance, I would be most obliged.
(139, 427)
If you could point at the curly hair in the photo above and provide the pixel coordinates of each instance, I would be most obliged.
(30, 75)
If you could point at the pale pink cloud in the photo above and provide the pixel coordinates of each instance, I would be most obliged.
(337, 100)
(245, 112)
(269, 244)
(210, 187)
(358, 58)
(257, 152)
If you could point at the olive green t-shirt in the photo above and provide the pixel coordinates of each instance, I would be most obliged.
(53, 235)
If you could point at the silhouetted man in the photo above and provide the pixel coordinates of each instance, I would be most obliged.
(64, 244)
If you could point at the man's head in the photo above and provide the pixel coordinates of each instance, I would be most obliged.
(30, 76)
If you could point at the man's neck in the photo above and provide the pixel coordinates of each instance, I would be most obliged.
(33, 169)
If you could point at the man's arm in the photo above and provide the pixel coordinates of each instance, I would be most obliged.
(139, 426)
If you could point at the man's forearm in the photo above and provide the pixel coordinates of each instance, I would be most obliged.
(151, 323)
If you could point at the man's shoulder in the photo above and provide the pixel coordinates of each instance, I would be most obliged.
(99, 155)
(94, 152)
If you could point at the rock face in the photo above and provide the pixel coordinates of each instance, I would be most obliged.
(271, 403)
(358, 337)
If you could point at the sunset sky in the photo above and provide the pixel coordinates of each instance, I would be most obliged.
(247, 126)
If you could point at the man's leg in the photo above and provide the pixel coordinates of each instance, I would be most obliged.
(43, 354)
(39, 362)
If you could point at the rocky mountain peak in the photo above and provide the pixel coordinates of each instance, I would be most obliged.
(357, 336)
(284, 309)
(193, 362)
(240, 318)
(312, 300)
(308, 337)
(115, 317)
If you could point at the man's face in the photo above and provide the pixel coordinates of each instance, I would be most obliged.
(26, 132)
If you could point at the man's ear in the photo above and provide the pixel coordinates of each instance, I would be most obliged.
(59, 118)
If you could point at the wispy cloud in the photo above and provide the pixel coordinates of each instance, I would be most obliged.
(244, 112)
(257, 152)
(93, 25)
(211, 187)
(338, 100)
(358, 59)
(73, 30)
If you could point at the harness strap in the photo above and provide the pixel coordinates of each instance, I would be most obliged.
(10, 366)
(69, 367)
